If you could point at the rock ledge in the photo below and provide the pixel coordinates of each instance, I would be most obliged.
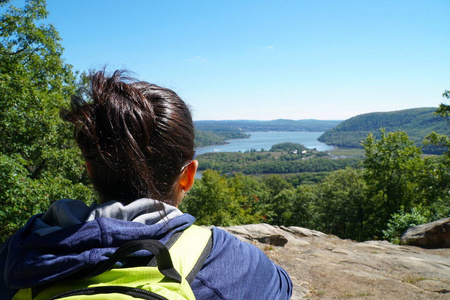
(326, 267)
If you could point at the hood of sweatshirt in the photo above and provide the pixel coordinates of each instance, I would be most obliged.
(72, 237)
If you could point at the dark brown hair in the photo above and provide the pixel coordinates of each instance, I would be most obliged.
(135, 137)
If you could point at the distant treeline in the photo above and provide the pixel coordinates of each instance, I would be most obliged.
(274, 125)
(206, 138)
(417, 123)
(281, 159)
(217, 132)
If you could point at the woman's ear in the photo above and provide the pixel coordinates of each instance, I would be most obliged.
(185, 182)
(187, 178)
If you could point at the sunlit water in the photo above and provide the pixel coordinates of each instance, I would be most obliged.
(265, 140)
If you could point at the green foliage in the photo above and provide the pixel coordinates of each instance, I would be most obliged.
(215, 200)
(254, 162)
(348, 203)
(434, 186)
(436, 177)
(417, 123)
(306, 211)
(341, 207)
(444, 109)
(205, 138)
(275, 184)
(224, 201)
(288, 147)
(401, 221)
(306, 178)
(392, 166)
(34, 83)
(209, 200)
(40, 162)
(23, 196)
(439, 140)
(282, 200)
(400, 178)
(283, 207)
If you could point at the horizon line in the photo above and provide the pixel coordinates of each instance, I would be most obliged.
(259, 120)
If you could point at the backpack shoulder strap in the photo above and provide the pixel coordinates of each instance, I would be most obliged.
(184, 253)
(190, 251)
(187, 254)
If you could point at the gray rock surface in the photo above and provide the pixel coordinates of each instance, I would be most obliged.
(431, 235)
(326, 267)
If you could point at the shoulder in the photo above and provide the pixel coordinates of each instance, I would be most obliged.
(239, 270)
(226, 246)
(5, 292)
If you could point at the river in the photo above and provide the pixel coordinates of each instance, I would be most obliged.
(265, 140)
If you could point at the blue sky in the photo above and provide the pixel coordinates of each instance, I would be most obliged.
(264, 60)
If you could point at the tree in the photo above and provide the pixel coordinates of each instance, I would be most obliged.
(217, 200)
(224, 201)
(436, 179)
(209, 200)
(36, 147)
(444, 109)
(275, 184)
(434, 186)
(392, 170)
(341, 207)
(305, 208)
(250, 197)
(441, 139)
(281, 207)
(401, 221)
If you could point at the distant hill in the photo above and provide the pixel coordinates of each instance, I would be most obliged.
(274, 125)
(205, 138)
(416, 122)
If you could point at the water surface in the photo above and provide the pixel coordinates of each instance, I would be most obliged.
(265, 140)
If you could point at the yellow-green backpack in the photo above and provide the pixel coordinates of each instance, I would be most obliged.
(177, 264)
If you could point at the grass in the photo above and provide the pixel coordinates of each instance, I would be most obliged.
(268, 248)
(364, 294)
(315, 292)
(412, 278)
(361, 294)
(347, 151)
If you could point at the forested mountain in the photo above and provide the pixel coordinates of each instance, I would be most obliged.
(216, 132)
(416, 122)
(206, 138)
(274, 125)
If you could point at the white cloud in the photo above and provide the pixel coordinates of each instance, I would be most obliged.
(270, 47)
(197, 59)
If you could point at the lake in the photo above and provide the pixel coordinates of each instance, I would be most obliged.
(265, 140)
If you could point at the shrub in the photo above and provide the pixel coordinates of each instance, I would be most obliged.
(401, 221)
